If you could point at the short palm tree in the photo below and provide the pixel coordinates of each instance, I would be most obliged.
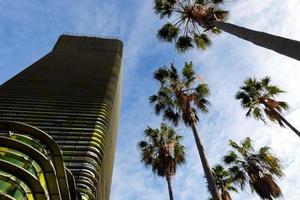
(190, 20)
(258, 96)
(179, 98)
(162, 150)
(256, 168)
(224, 181)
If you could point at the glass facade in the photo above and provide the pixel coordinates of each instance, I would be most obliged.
(31, 164)
(71, 95)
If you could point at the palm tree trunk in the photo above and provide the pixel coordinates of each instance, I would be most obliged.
(170, 187)
(288, 47)
(210, 180)
(282, 119)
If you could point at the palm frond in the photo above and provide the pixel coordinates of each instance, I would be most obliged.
(239, 177)
(265, 81)
(270, 161)
(202, 41)
(249, 112)
(218, 1)
(230, 157)
(168, 32)
(266, 187)
(245, 98)
(273, 90)
(247, 144)
(273, 116)
(153, 99)
(173, 73)
(216, 30)
(202, 90)
(142, 144)
(250, 81)
(202, 104)
(284, 105)
(161, 74)
(257, 114)
(188, 71)
(180, 154)
(150, 133)
(199, 1)
(172, 116)
(234, 189)
(164, 8)
(184, 43)
(264, 150)
(158, 108)
(163, 93)
(187, 119)
(234, 144)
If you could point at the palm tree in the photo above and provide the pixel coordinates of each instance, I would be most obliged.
(258, 98)
(191, 19)
(178, 99)
(258, 169)
(224, 181)
(161, 149)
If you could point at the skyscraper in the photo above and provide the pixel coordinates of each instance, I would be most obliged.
(72, 97)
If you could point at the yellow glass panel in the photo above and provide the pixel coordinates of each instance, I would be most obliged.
(43, 180)
(30, 197)
(2, 151)
(84, 197)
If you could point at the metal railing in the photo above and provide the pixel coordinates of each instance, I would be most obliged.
(91, 35)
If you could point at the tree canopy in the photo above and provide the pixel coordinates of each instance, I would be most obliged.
(189, 22)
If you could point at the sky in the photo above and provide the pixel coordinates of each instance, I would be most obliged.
(30, 28)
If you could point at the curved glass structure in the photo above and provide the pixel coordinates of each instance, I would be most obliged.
(31, 164)
(72, 95)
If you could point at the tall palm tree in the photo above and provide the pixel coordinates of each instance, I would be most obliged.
(191, 19)
(178, 99)
(162, 150)
(258, 96)
(258, 169)
(224, 181)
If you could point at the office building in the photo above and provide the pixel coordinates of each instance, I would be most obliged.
(64, 110)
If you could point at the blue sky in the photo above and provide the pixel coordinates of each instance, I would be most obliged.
(29, 29)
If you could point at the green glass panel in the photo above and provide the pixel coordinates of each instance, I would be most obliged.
(12, 187)
(17, 194)
(21, 160)
(4, 185)
(29, 141)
